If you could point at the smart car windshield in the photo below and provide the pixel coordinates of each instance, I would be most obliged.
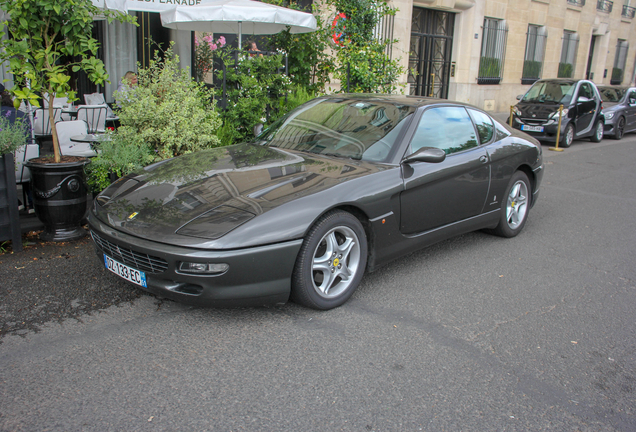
(611, 94)
(550, 92)
(352, 128)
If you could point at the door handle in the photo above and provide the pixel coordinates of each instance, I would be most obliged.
(483, 159)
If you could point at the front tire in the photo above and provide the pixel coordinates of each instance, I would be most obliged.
(568, 136)
(514, 212)
(619, 130)
(331, 262)
(599, 128)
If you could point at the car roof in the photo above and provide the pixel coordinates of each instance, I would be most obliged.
(407, 100)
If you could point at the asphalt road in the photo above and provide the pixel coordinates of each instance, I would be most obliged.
(476, 333)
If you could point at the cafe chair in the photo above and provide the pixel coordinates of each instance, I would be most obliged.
(67, 129)
(22, 173)
(98, 99)
(94, 115)
(41, 124)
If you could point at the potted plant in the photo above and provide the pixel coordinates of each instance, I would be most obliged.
(47, 39)
(12, 137)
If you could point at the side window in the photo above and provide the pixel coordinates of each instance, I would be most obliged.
(585, 91)
(632, 97)
(447, 128)
(484, 125)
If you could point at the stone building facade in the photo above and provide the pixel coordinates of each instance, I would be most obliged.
(486, 52)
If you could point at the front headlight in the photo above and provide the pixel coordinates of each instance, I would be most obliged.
(203, 268)
(609, 115)
(555, 115)
(516, 111)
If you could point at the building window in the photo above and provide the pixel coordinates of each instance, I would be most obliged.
(579, 3)
(619, 62)
(493, 49)
(628, 11)
(535, 51)
(568, 54)
(604, 6)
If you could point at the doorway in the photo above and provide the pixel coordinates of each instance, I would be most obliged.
(430, 52)
(588, 74)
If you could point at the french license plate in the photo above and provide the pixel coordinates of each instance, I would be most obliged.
(130, 274)
(527, 128)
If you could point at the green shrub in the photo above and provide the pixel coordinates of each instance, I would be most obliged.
(531, 69)
(12, 135)
(617, 74)
(489, 67)
(117, 158)
(565, 70)
(168, 110)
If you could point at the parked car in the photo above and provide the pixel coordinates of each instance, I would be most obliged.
(619, 110)
(340, 186)
(537, 112)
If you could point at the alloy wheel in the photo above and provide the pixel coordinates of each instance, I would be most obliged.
(517, 205)
(336, 261)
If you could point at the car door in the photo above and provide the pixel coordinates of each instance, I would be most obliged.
(630, 110)
(436, 194)
(585, 108)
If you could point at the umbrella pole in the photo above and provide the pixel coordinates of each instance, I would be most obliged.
(240, 35)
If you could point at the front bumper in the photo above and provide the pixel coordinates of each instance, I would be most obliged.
(256, 276)
(550, 128)
(609, 127)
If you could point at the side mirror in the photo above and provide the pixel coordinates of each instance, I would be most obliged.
(426, 154)
(519, 97)
(632, 101)
(582, 99)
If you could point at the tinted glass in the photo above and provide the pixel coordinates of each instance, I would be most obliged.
(359, 129)
(447, 128)
(611, 94)
(550, 91)
(586, 91)
(484, 125)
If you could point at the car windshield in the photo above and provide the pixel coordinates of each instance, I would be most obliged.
(611, 94)
(364, 129)
(550, 92)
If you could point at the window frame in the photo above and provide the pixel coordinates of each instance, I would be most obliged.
(493, 51)
(536, 38)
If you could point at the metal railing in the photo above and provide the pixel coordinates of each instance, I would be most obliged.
(628, 12)
(493, 52)
(605, 6)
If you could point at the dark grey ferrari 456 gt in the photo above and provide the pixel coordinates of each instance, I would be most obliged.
(341, 185)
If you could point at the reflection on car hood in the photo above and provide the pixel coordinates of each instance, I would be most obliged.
(209, 193)
(540, 111)
(610, 106)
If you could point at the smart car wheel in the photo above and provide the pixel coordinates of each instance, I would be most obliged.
(514, 212)
(598, 132)
(619, 130)
(331, 262)
(568, 136)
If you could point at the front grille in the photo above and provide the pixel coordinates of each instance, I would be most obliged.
(534, 121)
(138, 260)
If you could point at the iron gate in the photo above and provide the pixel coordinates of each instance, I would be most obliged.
(430, 52)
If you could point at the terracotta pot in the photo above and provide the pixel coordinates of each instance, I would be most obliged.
(60, 198)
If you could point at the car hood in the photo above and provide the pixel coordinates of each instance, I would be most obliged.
(610, 106)
(540, 111)
(207, 194)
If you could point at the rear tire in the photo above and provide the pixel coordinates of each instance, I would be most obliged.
(599, 128)
(331, 262)
(514, 211)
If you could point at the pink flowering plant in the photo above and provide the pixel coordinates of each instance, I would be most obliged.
(205, 48)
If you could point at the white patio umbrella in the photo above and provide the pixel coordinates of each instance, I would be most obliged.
(238, 16)
(116, 5)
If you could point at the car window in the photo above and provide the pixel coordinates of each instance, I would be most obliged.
(500, 131)
(550, 91)
(364, 129)
(586, 91)
(446, 128)
(632, 97)
(611, 94)
(484, 125)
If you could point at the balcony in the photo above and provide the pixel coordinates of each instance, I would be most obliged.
(604, 6)
(628, 12)
(579, 3)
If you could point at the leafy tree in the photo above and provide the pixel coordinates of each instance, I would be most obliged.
(47, 40)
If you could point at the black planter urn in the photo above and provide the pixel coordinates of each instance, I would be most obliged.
(60, 198)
